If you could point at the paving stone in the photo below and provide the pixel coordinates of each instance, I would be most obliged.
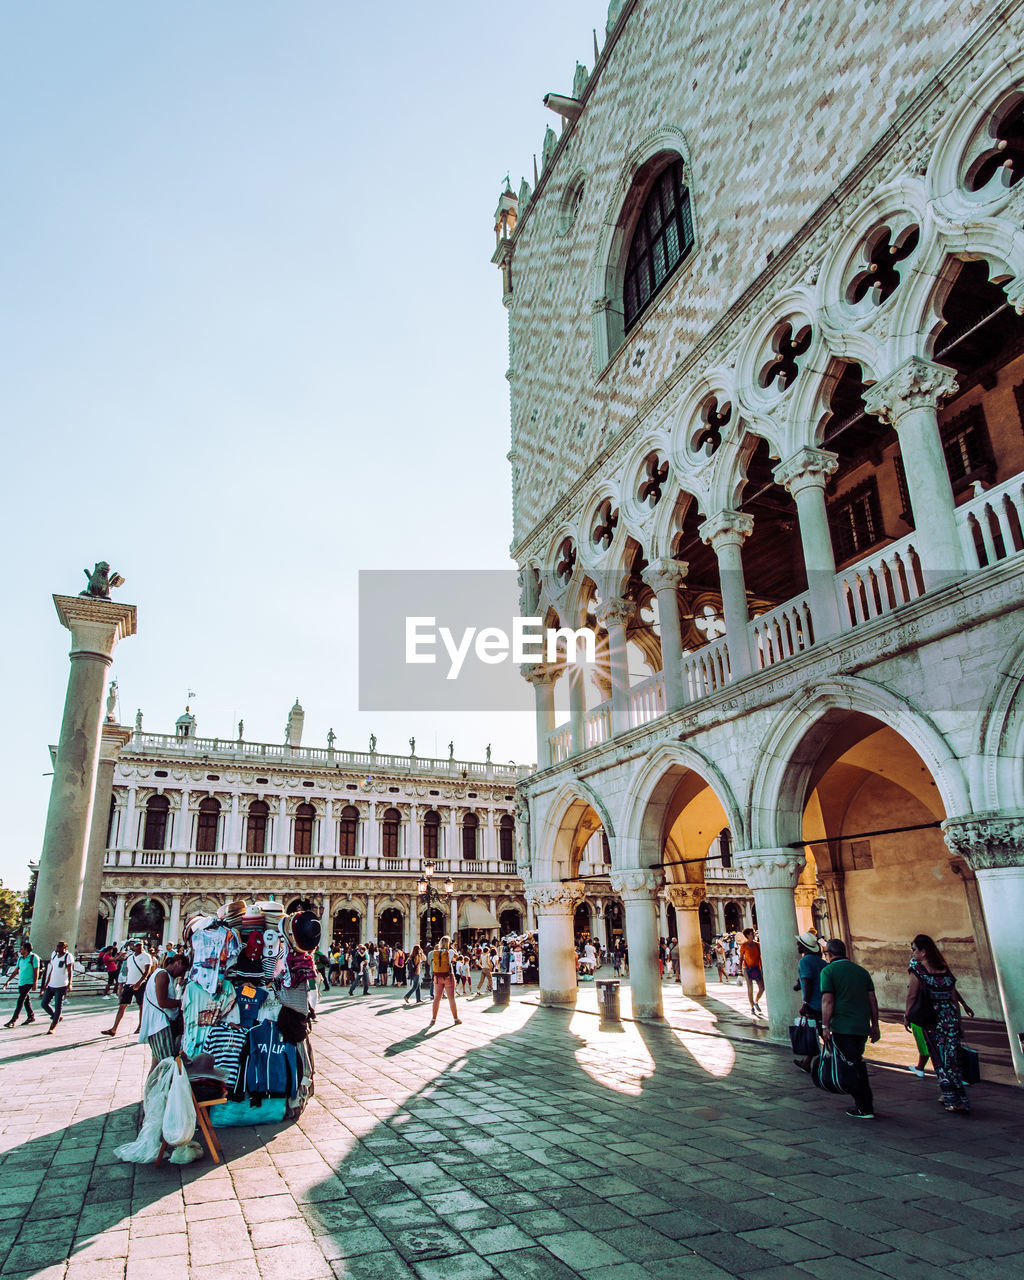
(458, 1266)
(581, 1249)
(293, 1262)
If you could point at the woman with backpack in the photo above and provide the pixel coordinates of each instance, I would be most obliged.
(444, 979)
(412, 970)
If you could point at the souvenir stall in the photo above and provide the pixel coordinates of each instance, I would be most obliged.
(249, 1000)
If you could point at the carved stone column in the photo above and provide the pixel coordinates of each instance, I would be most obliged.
(992, 844)
(805, 475)
(832, 885)
(95, 626)
(772, 875)
(725, 533)
(554, 905)
(804, 896)
(174, 920)
(130, 836)
(638, 890)
(112, 738)
(326, 922)
(613, 614)
(233, 839)
(908, 399)
(543, 676)
(686, 898)
(577, 706)
(665, 577)
(118, 934)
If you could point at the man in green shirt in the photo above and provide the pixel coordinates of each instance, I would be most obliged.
(28, 978)
(849, 1015)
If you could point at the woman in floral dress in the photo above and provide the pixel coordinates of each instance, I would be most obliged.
(929, 970)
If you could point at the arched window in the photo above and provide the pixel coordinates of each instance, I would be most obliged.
(155, 834)
(389, 833)
(304, 816)
(506, 838)
(662, 238)
(206, 827)
(431, 836)
(348, 831)
(256, 827)
(470, 823)
(725, 846)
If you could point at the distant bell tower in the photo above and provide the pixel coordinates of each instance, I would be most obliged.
(296, 719)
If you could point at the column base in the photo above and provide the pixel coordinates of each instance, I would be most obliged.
(566, 997)
(653, 1012)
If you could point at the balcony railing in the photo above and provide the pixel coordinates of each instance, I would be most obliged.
(991, 527)
(229, 860)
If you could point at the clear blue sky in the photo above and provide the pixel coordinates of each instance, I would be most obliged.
(251, 342)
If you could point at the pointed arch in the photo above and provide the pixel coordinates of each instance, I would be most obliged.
(563, 829)
(999, 739)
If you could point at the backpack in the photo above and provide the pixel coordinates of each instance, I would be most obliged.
(442, 962)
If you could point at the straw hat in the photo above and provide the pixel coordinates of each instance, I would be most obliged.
(809, 941)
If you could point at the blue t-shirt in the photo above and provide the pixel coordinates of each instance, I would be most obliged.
(27, 966)
(811, 967)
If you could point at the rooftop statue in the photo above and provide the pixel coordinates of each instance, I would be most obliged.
(100, 581)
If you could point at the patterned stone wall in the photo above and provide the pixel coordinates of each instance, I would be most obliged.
(776, 103)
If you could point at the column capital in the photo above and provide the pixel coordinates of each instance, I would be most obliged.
(805, 895)
(95, 625)
(665, 574)
(726, 528)
(113, 738)
(685, 897)
(808, 468)
(770, 868)
(987, 841)
(637, 883)
(540, 674)
(615, 610)
(555, 898)
(915, 384)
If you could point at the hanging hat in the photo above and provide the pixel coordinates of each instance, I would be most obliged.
(198, 922)
(809, 941)
(234, 913)
(203, 1067)
(272, 911)
(302, 930)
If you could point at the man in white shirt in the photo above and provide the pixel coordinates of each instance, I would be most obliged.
(138, 967)
(57, 983)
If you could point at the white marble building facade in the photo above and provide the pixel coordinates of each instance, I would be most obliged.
(194, 821)
(767, 404)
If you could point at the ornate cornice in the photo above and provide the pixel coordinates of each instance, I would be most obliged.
(915, 384)
(987, 841)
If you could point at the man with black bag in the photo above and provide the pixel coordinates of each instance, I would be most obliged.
(849, 1017)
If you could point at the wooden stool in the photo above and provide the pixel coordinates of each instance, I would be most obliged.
(202, 1120)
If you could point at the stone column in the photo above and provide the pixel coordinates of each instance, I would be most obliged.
(554, 905)
(326, 921)
(112, 738)
(724, 532)
(453, 915)
(992, 844)
(832, 883)
(118, 924)
(413, 913)
(771, 875)
(130, 836)
(174, 921)
(233, 839)
(281, 828)
(453, 853)
(663, 929)
(803, 897)
(686, 898)
(95, 626)
(577, 707)
(638, 889)
(665, 577)
(414, 842)
(328, 837)
(370, 923)
(805, 475)
(543, 676)
(371, 831)
(908, 399)
(613, 614)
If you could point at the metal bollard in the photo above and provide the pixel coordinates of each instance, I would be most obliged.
(608, 999)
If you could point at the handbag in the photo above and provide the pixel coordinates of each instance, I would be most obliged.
(922, 1011)
(803, 1036)
(970, 1064)
(832, 1071)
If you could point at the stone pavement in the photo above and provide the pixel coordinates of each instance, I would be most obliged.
(524, 1143)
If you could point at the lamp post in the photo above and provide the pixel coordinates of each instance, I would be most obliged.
(429, 895)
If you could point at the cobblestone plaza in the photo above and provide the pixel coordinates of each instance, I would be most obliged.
(527, 1142)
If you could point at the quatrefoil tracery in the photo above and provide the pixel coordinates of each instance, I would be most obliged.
(566, 561)
(788, 347)
(881, 277)
(1006, 153)
(709, 438)
(655, 475)
(606, 521)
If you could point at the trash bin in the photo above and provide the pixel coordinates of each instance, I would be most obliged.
(502, 988)
(608, 999)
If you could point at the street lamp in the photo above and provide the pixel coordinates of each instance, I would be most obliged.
(429, 895)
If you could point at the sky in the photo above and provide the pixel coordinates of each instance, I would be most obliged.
(251, 343)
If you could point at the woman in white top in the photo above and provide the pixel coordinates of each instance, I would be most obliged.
(159, 1008)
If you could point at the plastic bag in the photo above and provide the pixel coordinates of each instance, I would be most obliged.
(180, 1112)
(146, 1147)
